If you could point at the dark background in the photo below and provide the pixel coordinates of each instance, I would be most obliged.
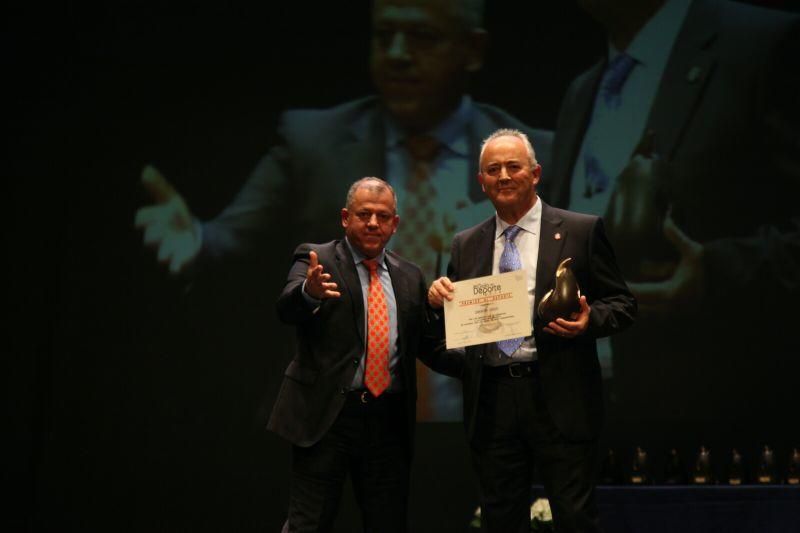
(134, 404)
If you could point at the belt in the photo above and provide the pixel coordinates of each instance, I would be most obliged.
(514, 370)
(365, 397)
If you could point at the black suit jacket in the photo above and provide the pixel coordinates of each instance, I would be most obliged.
(570, 371)
(330, 342)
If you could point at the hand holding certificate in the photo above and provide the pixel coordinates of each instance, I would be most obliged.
(488, 309)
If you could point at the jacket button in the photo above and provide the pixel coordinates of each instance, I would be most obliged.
(355, 362)
(343, 390)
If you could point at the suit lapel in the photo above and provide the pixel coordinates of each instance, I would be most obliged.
(569, 137)
(689, 68)
(349, 276)
(549, 252)
(480, 263)
(363, 153)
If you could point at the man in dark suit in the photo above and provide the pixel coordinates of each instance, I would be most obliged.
(421, 133)
(711, 91)
(347, 402)
(536, 399)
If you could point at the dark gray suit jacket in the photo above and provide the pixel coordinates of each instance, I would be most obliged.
(299, 187)
(570, 372)
(726, 118)
(330, 342)
(727, 129)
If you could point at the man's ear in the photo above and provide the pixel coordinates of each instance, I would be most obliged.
(478, 40)
(537, 174)
(480, 180)
(345, 217)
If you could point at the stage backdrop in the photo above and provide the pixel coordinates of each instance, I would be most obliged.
(139, 397)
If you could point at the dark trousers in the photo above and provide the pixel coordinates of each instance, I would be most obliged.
(368, 442)
(513, 432)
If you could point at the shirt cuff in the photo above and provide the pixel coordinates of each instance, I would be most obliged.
(310, 300)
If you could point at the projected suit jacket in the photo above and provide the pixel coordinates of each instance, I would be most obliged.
(727, 129)
(298, 188)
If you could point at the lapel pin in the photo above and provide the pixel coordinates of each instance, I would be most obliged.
(558, 236)
(694, 74)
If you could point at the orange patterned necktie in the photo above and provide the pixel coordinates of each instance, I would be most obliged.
(376, 377)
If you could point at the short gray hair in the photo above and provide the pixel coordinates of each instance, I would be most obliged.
(509, 132)
(468, 14)
(372, 184)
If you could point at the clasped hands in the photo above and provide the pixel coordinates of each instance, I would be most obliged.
(685, 286)
(442, 289)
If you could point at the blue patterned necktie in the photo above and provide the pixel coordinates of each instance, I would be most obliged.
(614, 78)
(510, 261)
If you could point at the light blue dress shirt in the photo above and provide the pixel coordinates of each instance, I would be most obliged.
(391, 302)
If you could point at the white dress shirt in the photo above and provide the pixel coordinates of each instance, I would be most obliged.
(527, 243)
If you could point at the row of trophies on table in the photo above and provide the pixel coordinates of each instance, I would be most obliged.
(735, 470)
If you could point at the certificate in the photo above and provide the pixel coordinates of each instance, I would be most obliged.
(488, 309)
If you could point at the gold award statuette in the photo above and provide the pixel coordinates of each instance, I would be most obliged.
(563, 299)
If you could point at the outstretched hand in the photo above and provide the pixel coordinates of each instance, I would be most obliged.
(168, 224)
(569, 329)
(318, 284)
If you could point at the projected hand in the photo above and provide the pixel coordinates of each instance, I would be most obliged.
(168, 224)
(318, 284)
(685, 287)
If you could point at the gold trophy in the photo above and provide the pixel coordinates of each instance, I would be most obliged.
(640, 469)
(702, 473)
(563, 299)
(765, 474)
(736, 468)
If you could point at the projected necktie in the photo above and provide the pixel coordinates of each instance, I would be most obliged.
(376, 376)
(610, 96)
(417, 239)
(510, 261)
